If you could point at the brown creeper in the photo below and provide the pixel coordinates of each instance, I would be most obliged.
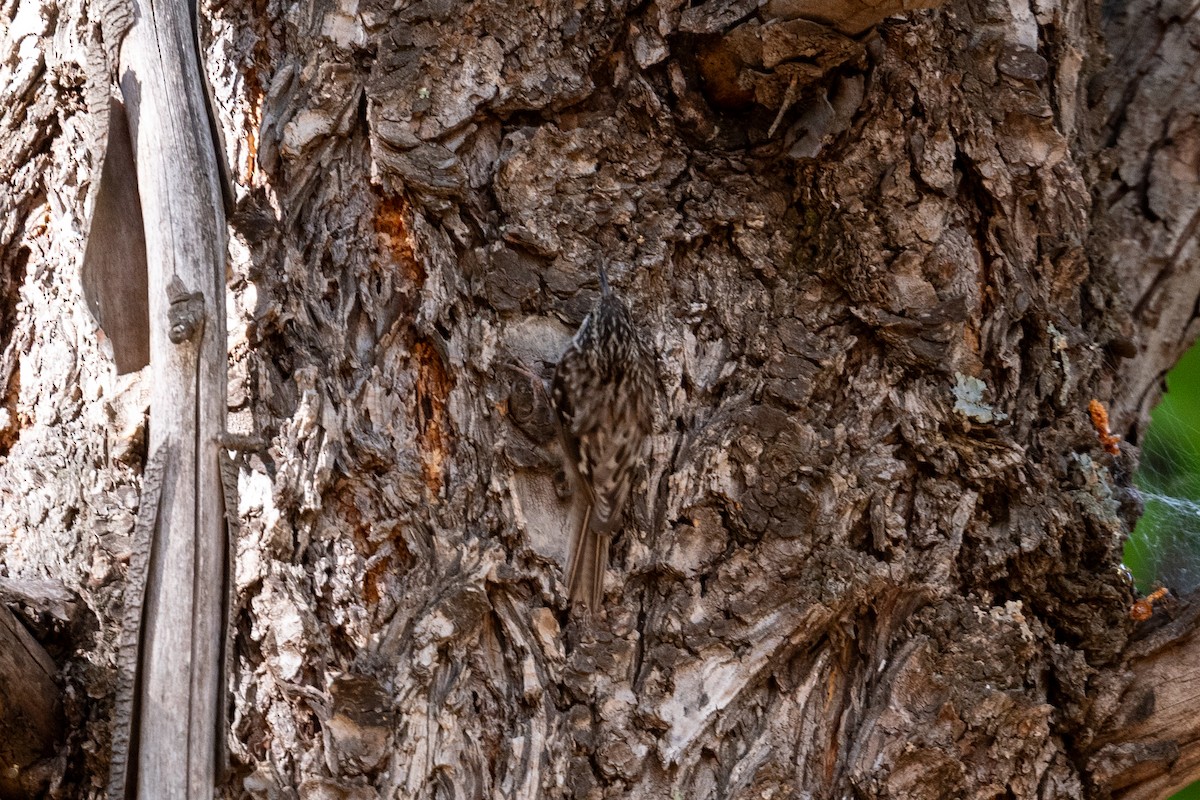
(602, 391)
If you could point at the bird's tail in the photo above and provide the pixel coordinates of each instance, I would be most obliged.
(588, 563)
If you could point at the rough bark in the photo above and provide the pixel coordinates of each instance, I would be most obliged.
(876, 550)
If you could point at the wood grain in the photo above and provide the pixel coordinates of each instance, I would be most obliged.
(178, 180)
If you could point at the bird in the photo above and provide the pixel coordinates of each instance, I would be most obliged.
(602, 392)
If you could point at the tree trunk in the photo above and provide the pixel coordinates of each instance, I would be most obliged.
(886, 265)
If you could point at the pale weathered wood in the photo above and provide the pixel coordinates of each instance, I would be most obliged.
(126, 712)
(178, 181)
